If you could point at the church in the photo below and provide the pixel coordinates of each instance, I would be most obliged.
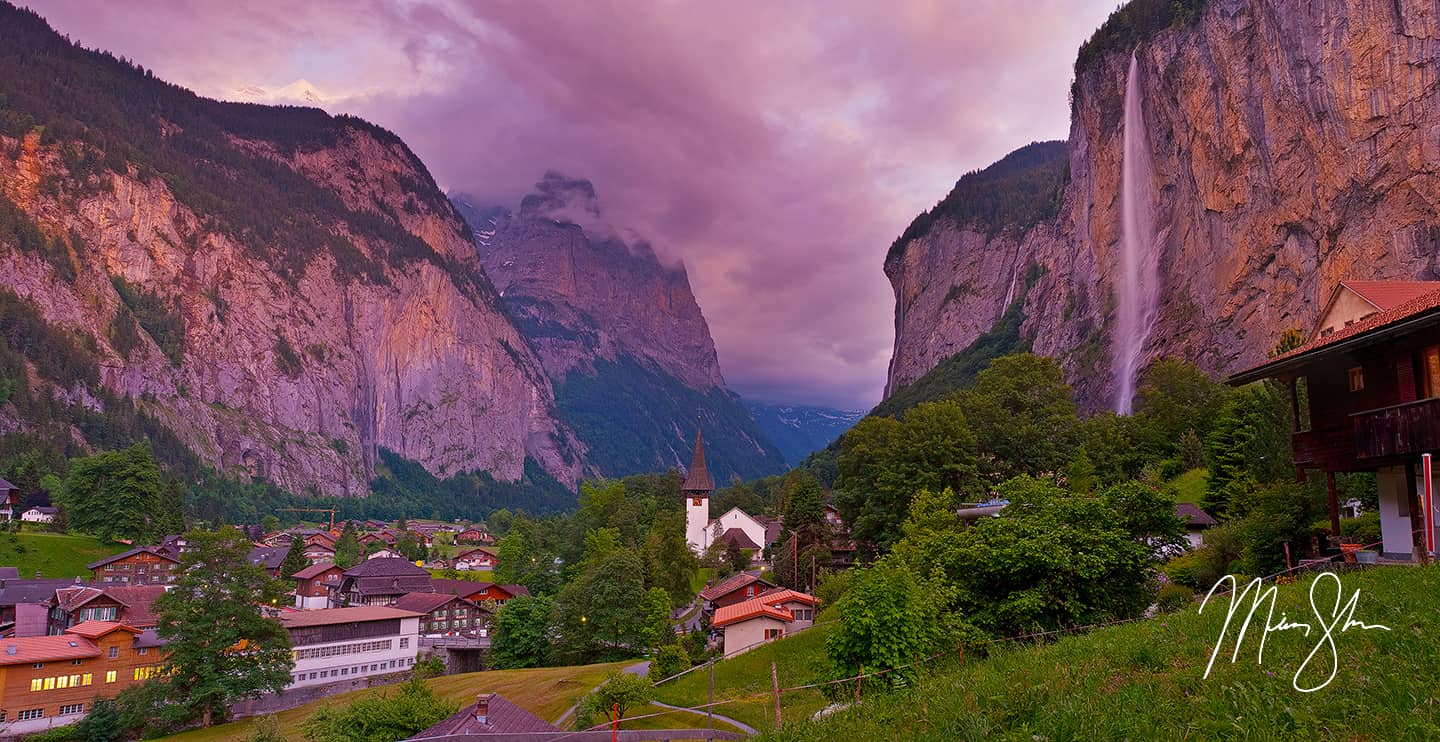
(747, 531)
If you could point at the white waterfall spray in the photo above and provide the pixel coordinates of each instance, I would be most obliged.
(1138, 284)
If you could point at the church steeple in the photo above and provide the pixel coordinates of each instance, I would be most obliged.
(697, 480)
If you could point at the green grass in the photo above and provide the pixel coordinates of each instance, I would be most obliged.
(1190, 486)
(745, 681)
(546, 692)
(1145, 680)
(474, 575)
(53, 554)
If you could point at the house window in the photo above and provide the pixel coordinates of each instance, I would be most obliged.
(405, 643)
(109, 676)
(1430, 371)
(31, 714)
(114, 652)
(72, 708)
(35, 684)
(750, 591)
(87, 679)
(76, 662)
(38, 665)
(773, 634)
(1357, 379)
(142, 650)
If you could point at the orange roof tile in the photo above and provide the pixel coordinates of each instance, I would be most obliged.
(747, 610)
(97, 629)
(26, 650)
(1387, 295)
(786, 595)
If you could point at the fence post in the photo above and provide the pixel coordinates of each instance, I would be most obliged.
(710, 707)
(775, 684)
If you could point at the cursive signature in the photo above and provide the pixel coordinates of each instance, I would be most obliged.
(1341, 619)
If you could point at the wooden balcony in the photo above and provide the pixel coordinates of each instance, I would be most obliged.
(1398, 430)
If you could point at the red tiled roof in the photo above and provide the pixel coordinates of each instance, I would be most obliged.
(137, 600)
(753, 608)
(730, 585)
(97, 629)
(1421, 304)
(31, 649)
(1386, 295)
(785, 595)
(315, 570)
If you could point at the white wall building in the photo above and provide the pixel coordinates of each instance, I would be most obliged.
(696, 491)
(337, 644)
(39, 515)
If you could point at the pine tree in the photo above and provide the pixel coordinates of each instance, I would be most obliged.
(347, 548)
(294, 558)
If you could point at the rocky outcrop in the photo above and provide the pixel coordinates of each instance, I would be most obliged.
(618, 331)
(295, 352)
(1295, 144)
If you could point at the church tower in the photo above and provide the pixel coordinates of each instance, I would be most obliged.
(696, 491)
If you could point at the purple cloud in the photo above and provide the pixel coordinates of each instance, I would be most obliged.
(777, 149)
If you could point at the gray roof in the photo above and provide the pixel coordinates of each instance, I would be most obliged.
(269, 557)
(41, 590)
(698, 478)
(1194, 516)
(4, 485)
(502, 717)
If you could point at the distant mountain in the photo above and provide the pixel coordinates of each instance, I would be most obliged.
(619, 334)
(798, 430)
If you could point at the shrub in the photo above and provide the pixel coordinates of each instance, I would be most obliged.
(380, 717)
(670, 660)
(1365, 529)
(1174, 597)
(833, 584)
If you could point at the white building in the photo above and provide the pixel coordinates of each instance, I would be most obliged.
(340, 644)
(39, 515)
(700, 529)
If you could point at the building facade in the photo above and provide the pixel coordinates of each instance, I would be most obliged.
(314, 585)
(146, 565)
(341, 644)
(58, 677)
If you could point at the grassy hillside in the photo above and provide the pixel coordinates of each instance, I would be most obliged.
(1190, 486)
(1145, 680)
(546, 692)
(745, 681)
(53, 555)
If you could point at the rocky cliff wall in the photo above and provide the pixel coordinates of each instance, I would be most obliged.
(1295, 144)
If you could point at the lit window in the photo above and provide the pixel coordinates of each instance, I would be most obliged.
(35, 684)
(86, 679)
(49, 684)
(62, 682)
(110, 676)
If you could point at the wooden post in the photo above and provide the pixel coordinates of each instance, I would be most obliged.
(1417, 535)
(1334, 504)
(615, 723)
(1288, 566)
(710, 707)
(775, 684)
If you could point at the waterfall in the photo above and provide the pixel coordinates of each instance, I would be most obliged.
(1137, 285)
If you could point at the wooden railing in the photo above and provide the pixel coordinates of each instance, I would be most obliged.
(1397, 430)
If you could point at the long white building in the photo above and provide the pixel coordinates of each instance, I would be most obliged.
(338, 644)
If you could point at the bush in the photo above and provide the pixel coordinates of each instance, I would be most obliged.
(380, 717)
(266, 730)
(1174, 597)
(833, 584)
(1365, 529)
(670, 660)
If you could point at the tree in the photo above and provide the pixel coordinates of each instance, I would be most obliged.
(669, 562)
(102, 724)
(884, 462)
(600, 611)
(380, 716)
(118, 494)
(1023, 417)
(220, 649)
(888, 619)
(294, 558)
(670, 660)
(621, 693)
(798, 563)
(270, 524)
(655, 616)
(735, 556)
(411, 547)
(521, 635)
(347, 548)
(1249, 445)
(1175, 397)
(498, 522)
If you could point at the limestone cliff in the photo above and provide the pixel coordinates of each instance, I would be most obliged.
(1295, 144)
(618, 331)
(287, 291)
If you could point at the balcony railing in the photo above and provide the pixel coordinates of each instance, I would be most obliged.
(1397, 430)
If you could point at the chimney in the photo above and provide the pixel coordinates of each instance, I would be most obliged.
(482, 707)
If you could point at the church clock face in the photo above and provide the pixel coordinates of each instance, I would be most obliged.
(696, 501)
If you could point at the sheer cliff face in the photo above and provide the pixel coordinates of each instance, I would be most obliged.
(1295, 144)
(561, 267)
(298, 382)
(618, 332)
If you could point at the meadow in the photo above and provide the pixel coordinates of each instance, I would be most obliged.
(54, 554)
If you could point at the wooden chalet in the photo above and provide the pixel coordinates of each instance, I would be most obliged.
(144, 565)
(9, 500)
(735, 589)
(126, 604)
(1365, 397)
(446, 614)
(314, 584)
(379, 582)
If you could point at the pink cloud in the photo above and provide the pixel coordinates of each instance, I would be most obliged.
(777, 149)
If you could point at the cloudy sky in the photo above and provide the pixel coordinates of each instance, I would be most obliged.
(776, 148)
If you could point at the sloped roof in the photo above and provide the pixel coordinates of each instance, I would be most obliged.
(785, 595)
(36, 591)
(26, 650)
(5, 485)
(463, 588)
(386, 568)
(731, 584)
(132, 552)
(97, 629)
(739, 537)
(315, 570)
(425, 602)
(1376, 324)
(753, 608)
(1386, 295)
(269, 557)
(1193, 515)
(697, 479)
(502, 717)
